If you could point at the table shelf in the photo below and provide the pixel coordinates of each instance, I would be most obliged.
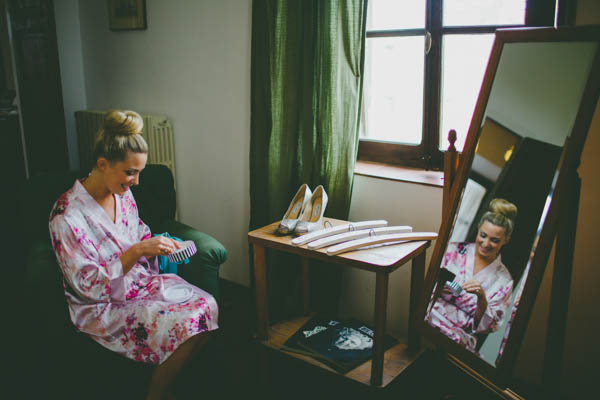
(396, 359)
(381, 260)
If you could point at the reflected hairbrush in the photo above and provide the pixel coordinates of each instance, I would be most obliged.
(454, 287)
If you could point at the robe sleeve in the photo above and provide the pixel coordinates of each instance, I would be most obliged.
(143, 233)
(81, 266)
(143, 230)
(498, 302)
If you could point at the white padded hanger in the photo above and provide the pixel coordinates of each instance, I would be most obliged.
(397, 237)
(347, 236)
(334, 230)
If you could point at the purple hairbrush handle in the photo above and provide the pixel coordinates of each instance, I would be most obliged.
(188, 250)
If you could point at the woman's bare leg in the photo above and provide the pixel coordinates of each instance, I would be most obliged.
(164, 374)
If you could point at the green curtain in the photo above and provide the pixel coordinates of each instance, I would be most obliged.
(307, 66)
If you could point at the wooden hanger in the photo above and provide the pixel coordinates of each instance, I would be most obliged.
(347, 236)
(334, 230)
(398, 237)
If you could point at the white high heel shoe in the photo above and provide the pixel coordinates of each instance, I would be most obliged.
(292, 215)
(312, 216)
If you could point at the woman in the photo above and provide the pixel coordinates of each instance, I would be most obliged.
(109, 263)
(486, 282)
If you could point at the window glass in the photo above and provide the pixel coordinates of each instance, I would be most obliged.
(464, 60)
(393, 89)
(483, 12)
(395, 14)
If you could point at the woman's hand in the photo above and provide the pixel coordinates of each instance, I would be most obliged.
(473, 286)
(154, 246)
(157, 246)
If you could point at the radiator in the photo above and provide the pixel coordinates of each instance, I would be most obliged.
(157, 132)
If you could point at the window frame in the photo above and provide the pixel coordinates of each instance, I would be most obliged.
(427, 154)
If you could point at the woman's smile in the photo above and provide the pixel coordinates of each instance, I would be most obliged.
(490, 239)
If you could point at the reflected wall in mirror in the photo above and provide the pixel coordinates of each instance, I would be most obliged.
(479, 271)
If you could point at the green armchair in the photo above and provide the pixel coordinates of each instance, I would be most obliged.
(60, 344)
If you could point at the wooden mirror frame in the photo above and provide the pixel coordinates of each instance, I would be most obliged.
(567, 173)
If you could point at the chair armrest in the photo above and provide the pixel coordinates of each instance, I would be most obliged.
(203, 268)
(210, 251)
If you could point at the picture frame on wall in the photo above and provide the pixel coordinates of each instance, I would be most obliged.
(124, 15)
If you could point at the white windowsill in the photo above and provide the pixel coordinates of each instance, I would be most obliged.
(399, 173)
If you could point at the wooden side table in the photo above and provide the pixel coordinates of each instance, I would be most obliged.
(381, 260)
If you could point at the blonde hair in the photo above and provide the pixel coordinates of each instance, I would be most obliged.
(120, 134)
(501, 213)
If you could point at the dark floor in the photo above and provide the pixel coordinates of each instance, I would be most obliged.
(229, 368)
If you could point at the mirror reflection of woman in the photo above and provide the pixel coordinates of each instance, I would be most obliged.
(486, 282)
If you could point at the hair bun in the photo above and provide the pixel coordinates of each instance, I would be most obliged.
(123, 123)
(506, 208)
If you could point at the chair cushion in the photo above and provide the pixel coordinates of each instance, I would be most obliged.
(155, 195)
(37, 196)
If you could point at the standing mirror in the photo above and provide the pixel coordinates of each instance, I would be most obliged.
(534, 109)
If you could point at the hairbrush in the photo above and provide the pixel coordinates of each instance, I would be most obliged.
(454, 287)
(188, 249)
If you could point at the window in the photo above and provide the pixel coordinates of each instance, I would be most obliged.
(424, 64)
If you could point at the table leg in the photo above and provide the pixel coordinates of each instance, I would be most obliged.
(260, 283)
(381, 295)
(306, 284)
(416, 294)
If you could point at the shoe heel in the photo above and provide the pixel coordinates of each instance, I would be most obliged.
(294, 212)
(312, 216)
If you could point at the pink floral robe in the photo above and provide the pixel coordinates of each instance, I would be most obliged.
(128, 314)
(513, 312)
(454, 316)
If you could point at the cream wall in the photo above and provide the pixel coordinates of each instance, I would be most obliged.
(193, 64)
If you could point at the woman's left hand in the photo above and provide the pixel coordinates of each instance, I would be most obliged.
(473, 286)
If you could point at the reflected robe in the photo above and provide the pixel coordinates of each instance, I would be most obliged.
(454, 316)
(129, 313)
(513, 312)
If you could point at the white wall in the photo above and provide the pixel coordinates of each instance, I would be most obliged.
(193, 65)
(70, 58)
